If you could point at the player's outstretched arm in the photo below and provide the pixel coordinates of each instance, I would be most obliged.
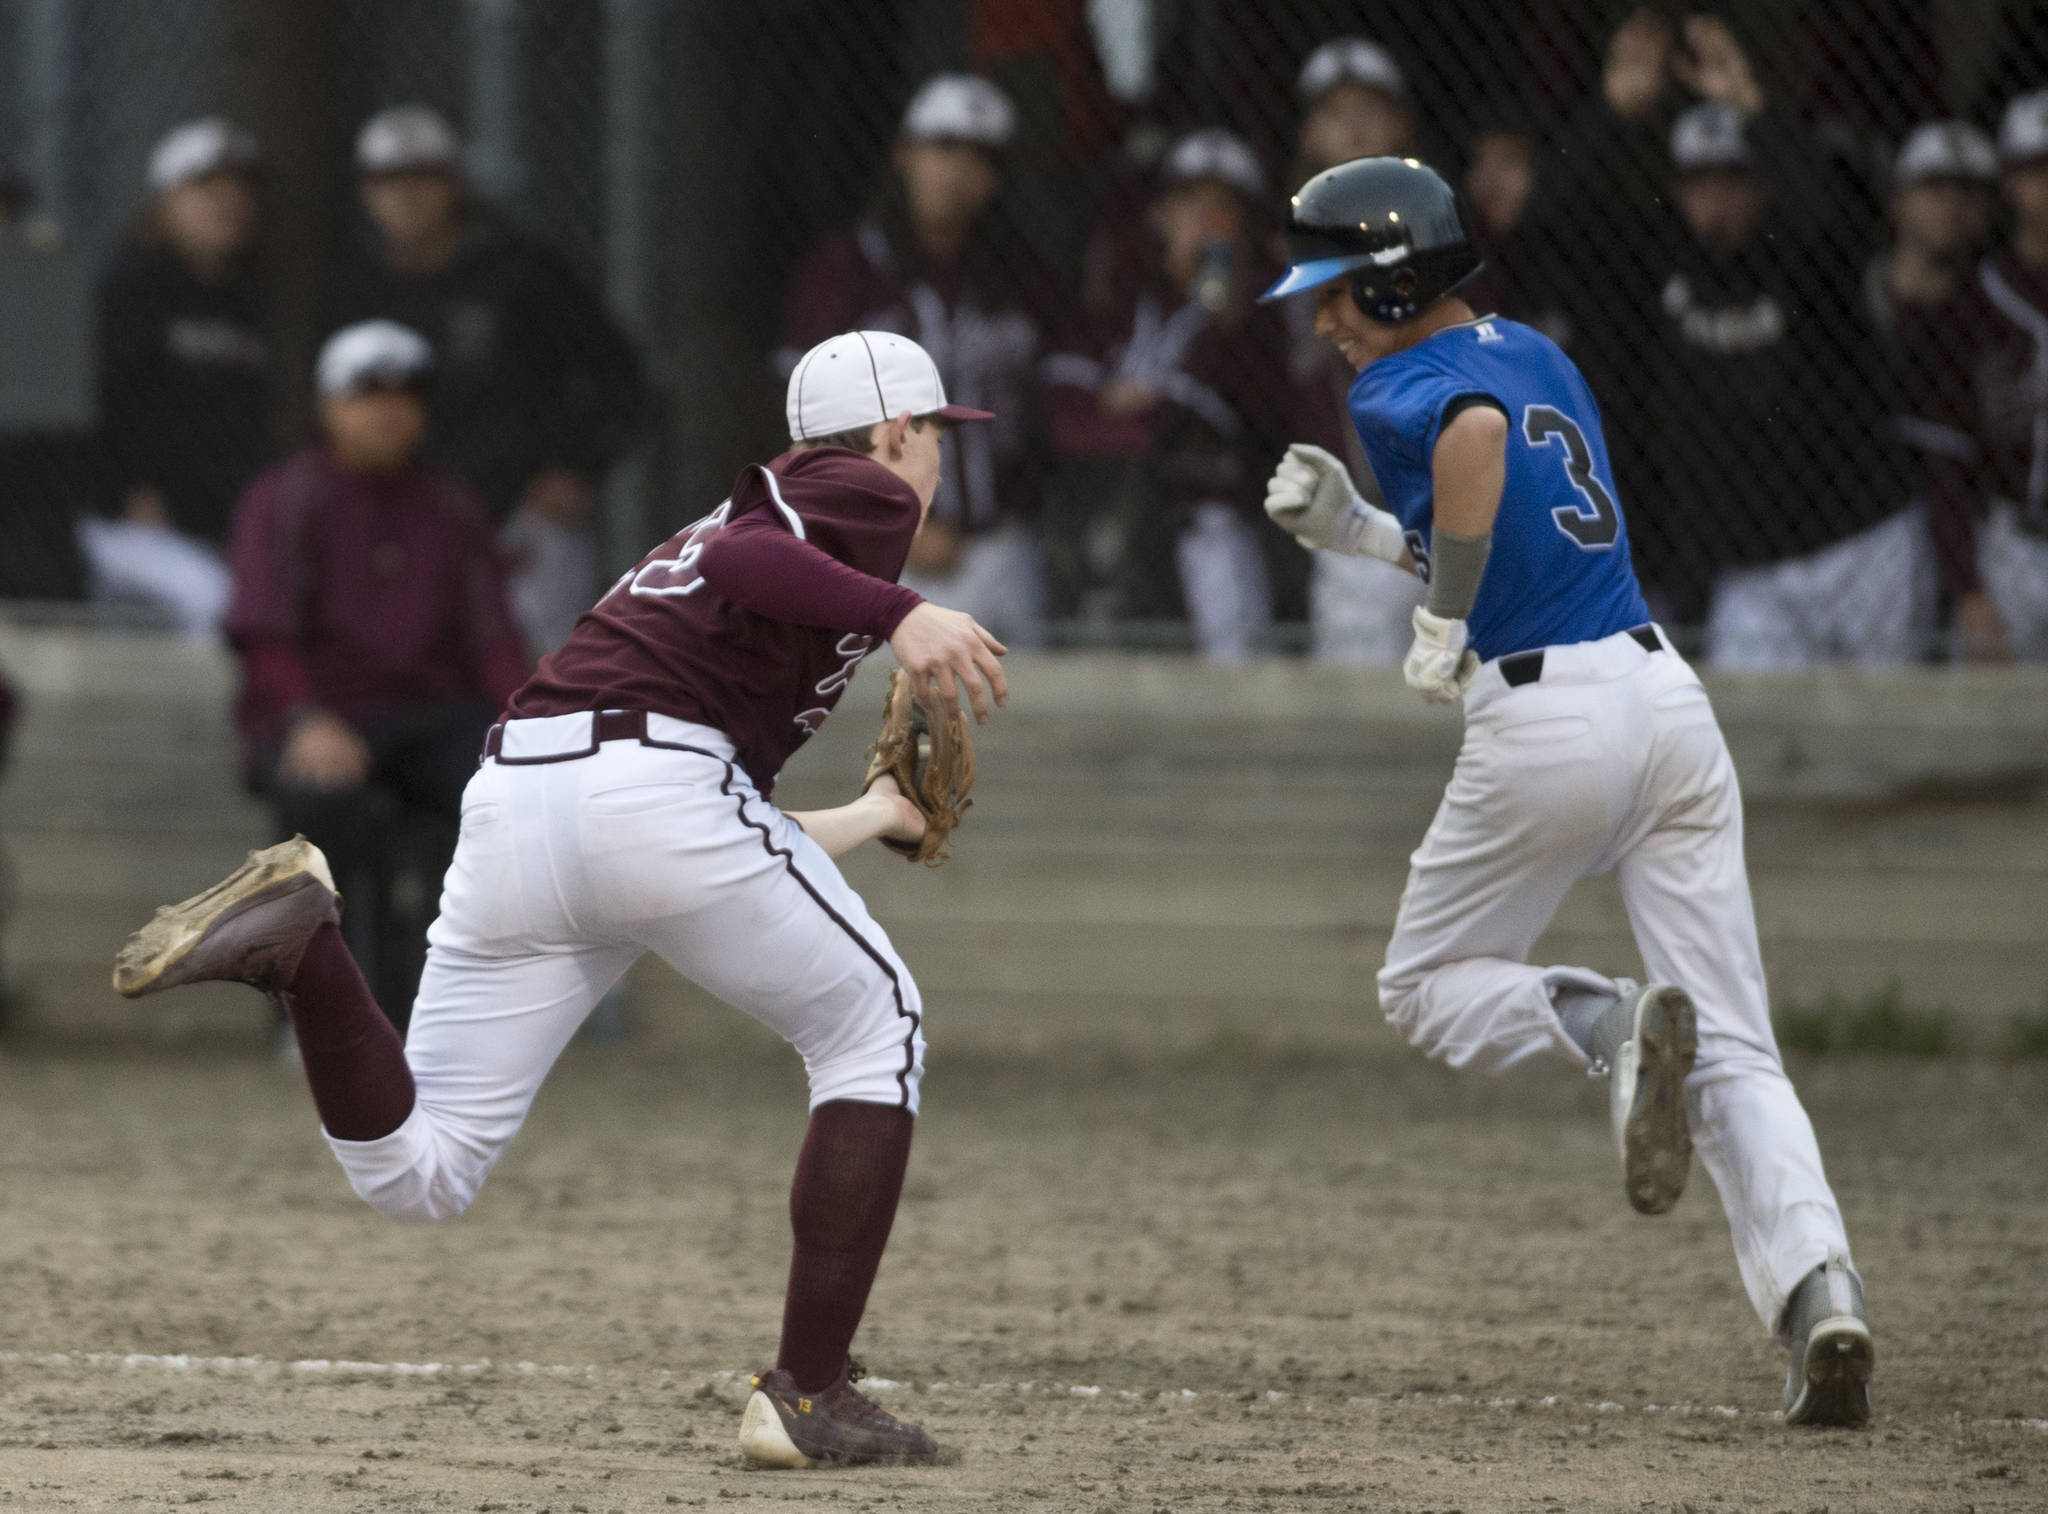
(881, 812)
(950, 648)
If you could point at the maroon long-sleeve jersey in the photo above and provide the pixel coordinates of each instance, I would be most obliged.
(754, 619)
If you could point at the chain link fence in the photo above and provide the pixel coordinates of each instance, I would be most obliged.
(1816, 323)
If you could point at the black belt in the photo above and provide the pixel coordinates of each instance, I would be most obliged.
(606, 725)
(1519, 668)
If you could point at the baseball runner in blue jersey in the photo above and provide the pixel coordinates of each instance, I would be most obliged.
(1589, 746)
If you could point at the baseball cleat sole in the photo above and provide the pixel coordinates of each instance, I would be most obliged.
(765, 1441)
(1647, 1093)
(161, 954)
(1833, 1383)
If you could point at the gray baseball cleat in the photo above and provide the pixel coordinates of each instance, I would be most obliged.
(1831, 1350)
(1646, 1044)
(251, 927)
(783, 1426)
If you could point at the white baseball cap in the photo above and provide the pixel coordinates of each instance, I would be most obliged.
(372, 354)
(1944, 150)
(408, 139)
(2023, 134)
(960, 108)
(1350, 60)
(199, 148)
(1214, 153)
(1709, 136)
(858, 378)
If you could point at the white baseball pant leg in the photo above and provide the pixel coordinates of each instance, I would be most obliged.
(1868, 599)
(565, 874)
(1613, 760)
(2014, 566)
(1223, 584)
(1361, 611)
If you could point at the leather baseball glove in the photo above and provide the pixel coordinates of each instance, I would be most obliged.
(932, 761)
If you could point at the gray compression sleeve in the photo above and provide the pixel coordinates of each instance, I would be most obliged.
(1456, 564)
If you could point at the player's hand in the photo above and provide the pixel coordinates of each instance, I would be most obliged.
(1638, 56)
(949, 649)
(1311, 496)
(904, 820)
(1439, 667)
(1714, 66)
(324, 752)
(1981, 629)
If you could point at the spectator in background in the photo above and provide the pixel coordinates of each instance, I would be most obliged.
(1183, 373)
(184, 378)
(536, 391)
(1922, 297)
(1944, 180)
(1987, 401)
(376, 641)
(928, 261)
(1780, 473)
(1502, 155)
(1354, 103)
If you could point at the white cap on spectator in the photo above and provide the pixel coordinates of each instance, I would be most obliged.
(372, 355)
(1944, 150)
(199, 148)
(1350, 60)
(1709, 135)
(859, 378)
(408, 139)
(2023, 134)
(1215, 154)
(960, 108)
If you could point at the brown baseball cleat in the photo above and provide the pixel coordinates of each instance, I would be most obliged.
(251, 927)
(786, 1427)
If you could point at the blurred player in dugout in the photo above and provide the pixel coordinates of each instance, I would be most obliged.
(1169, 400)
(1979, 409)
(184, 378)
(536, 391)
(377, 645)
(1354, 103)
(925, 260)
(1762, 368)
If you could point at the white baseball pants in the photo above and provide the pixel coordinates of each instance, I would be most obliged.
(2014, 565)
(1867, 599)
(565, 874)
(1613, 760)
(1361, 611)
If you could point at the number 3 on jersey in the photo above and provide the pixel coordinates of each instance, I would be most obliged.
(1595, 526)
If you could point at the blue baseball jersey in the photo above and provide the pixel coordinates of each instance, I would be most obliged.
(1560, 569)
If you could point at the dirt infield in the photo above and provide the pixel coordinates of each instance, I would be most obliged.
(1242, 1279)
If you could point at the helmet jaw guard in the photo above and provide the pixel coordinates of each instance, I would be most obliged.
(1392, 224)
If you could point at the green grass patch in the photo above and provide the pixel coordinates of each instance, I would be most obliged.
(1876, 1024)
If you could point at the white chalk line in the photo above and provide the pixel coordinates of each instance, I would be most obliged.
(322, 1367)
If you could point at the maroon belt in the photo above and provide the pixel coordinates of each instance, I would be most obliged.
(608, 725)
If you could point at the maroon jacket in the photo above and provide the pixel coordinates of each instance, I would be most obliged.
(1974, 409)
(365, 597)
(754, 619)
(1224, 413)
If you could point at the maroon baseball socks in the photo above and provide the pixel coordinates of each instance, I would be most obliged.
(354, 1061)
(841, 1207)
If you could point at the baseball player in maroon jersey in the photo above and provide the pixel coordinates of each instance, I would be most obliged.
(623, 806)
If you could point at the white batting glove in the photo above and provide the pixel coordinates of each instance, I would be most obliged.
(1310, 495)
(1439, 667)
